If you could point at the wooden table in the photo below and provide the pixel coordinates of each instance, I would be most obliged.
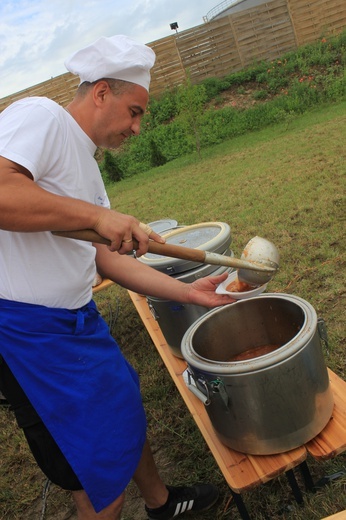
(103, 285)
(337, 516)
(243, 472)
(332, 440)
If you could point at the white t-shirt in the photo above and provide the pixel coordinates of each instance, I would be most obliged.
(41, 268)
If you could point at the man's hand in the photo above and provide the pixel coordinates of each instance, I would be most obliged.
(202, 292)
(122, 229)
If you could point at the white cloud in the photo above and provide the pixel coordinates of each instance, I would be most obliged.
(37, 35)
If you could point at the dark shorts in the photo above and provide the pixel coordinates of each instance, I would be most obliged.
(42, 445)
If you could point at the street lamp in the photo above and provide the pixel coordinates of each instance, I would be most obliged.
(174, 26)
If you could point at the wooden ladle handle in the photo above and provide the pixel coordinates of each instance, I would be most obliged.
(184, 253)
(171, 250)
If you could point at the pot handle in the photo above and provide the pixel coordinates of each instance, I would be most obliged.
(218, 388)
(153, 310)
(191, 384)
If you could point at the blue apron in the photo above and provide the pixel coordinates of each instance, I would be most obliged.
(83, 389)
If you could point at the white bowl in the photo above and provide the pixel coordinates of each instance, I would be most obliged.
(221, 288)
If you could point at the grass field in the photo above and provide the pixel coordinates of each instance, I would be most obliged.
(285, 183)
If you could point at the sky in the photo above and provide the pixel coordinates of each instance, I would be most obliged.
(36, 36)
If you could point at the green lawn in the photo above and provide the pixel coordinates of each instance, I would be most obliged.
(285, 183)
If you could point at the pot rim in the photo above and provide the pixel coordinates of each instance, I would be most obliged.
(251, 365)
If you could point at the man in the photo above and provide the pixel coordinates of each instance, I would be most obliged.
(73, 393)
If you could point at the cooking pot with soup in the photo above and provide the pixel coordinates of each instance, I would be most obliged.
(258, 367)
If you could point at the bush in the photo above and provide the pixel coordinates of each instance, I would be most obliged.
(173, 140)
(260, 94)
(220, 125)
(161, 110)
(191, 102)
(157, 158)
(111, 168)
(213, 87)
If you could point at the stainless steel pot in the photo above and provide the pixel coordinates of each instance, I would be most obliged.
(267, 404)
(173, 317)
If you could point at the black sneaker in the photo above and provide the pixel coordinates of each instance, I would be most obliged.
(183, 499)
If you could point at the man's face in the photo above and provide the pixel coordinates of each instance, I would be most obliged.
(120, 116)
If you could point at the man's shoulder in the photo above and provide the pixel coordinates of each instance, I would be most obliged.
(39, 101)
(34, 102)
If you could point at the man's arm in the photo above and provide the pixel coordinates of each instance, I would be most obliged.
(138, 277)
(25, 207)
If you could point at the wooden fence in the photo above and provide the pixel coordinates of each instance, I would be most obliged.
(223, 46)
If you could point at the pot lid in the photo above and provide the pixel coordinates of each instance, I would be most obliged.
(208, 236)
(163, 225)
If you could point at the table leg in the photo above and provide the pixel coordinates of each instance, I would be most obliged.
(308, 480)
(240, 505)
(309, 483)
(294, 486)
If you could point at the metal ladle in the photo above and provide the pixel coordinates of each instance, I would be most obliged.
(261, 265)
(262, 252)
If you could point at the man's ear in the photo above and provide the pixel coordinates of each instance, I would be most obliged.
(100, 91)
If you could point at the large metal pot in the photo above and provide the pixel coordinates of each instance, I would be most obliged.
(267, 404)
(173, 317)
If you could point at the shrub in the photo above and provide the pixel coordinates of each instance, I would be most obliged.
(260, 94)
(191, 101)
(173, 140)
(212, 87)
(111, 168)
(161, 110)
(157, 158)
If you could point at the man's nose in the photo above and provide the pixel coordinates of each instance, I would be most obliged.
(136, 127)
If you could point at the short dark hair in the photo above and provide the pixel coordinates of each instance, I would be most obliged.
(117, 86)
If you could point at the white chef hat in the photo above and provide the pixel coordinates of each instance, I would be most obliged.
(117, 57)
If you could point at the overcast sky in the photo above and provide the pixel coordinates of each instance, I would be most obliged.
(37, 35)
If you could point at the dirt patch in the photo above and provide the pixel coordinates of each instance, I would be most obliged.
(241, 98)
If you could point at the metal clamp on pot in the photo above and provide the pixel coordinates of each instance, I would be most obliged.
(193, 385)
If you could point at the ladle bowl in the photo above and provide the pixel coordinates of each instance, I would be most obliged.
(263, 252)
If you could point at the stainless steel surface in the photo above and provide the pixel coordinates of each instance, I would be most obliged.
(263, 252)
(213, 236)
(175, 318)
(268, 404)
(163, 225)
(268, 269)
